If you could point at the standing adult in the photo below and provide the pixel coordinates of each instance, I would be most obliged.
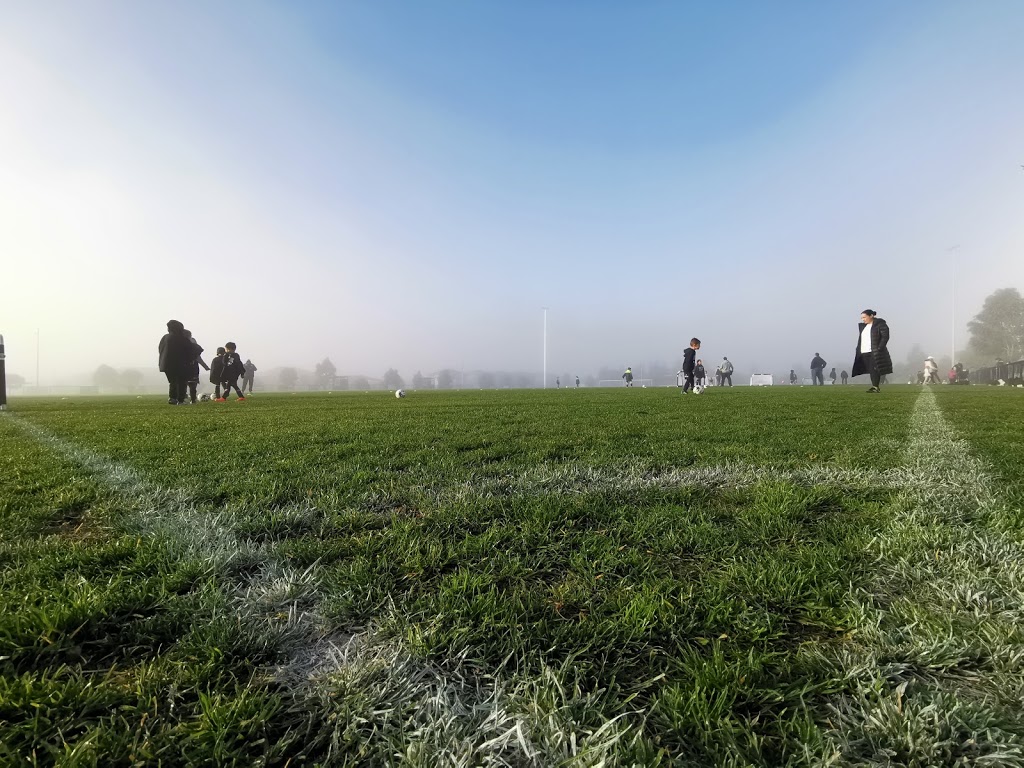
(577, 382)
(727, 370)
(248, 375)
(817, 370)
(872, 356)
(175, 361)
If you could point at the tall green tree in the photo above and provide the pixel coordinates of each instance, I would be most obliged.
(997, 331)
(325, 373)
(393, 380)
(106, 378)
(287, 378)
(131, 379)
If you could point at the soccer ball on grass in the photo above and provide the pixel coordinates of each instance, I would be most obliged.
(399, 393)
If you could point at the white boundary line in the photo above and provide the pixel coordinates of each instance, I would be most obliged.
(942, 641)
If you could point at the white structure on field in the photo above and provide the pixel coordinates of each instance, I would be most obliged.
(762, 380)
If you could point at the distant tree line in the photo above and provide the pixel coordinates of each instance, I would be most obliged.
(108, 379)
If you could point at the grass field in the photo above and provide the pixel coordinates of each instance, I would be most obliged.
(806, 576)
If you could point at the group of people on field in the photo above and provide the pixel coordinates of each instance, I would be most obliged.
(930, 375)
(696, 371)
(871, 357)
(181, 357)
(818, 366)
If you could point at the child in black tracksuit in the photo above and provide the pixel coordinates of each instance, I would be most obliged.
(689, 363)
(193, 374)
(233, 368)
(217, 372)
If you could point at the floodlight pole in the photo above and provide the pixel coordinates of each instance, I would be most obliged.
(3, 376)
(544, 382)
(952, 327)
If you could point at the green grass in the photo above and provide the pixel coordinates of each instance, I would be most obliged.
(520, 578)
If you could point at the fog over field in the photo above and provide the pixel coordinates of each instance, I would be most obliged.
(406, 185)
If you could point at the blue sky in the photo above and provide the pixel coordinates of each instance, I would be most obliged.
(406, 184)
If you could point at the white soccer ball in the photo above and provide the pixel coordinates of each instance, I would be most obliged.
(399, 393)
(698, 388)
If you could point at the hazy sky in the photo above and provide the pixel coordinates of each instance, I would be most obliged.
(407, 183)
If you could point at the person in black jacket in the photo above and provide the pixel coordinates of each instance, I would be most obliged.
(233, 368)
(817, 370)
(689, 364)
(699, 374)
(792, 376)
(193, 373)
(872, 349)
(175, 352)
(217, 372)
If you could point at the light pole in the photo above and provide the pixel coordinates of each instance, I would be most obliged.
(3, 377)
(544, 382)
(952, 327)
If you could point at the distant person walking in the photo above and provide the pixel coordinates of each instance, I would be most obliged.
(175, 351)
(817, 370)
(832, 377)
(727, 370)
(689, 364)
(558, 383)
(248, 375)
(700, 376)
(872, 349)
(628, 376)
(577, 382)
(233, 368)
(792, 376)
(844, 376)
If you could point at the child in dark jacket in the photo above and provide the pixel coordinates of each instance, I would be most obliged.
(193, 374)
(689, 357)
(217, 372)
(233, 368)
